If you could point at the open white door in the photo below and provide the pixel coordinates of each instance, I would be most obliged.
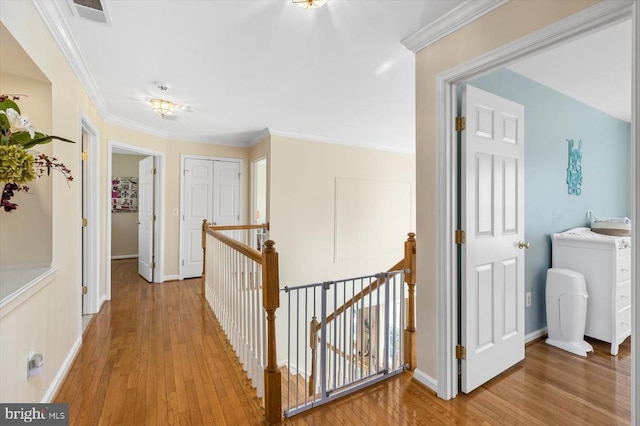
(211, 191)
(146, 218)
(492, 206)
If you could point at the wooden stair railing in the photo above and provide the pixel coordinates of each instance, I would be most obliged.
(268, 258)
(408, 263)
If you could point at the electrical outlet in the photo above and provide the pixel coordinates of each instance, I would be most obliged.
(528, 301)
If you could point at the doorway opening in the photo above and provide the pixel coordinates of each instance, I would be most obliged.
(570, 28)
(156, 250)
(259, 199)
(89, 265)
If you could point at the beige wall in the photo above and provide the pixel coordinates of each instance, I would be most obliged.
(304, 202)
(505, 24)
(302, 207)
(49, 322)
(33, 215)
(124, 227)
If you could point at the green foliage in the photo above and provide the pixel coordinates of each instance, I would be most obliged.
(16, 165)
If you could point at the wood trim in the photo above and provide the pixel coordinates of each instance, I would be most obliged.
(239, 227)
(368, 289)
(251, 253)
(271, 302)
(410, 354)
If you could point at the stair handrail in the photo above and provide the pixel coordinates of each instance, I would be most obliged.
(268, 258)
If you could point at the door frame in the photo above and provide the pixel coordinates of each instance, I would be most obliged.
(572, 27)
(241, 201)
(158, 203)
(254, 189)
(90, 259)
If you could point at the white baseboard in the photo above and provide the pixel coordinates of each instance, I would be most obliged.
(535, 335)
(293, 369)
(103, 299)
(425, 379)
(62, 372)
(170, 278)
(124, 256)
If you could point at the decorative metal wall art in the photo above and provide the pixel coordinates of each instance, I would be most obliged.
(574, 169)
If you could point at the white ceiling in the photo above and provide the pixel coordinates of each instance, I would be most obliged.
(337, 74)
(595, 69)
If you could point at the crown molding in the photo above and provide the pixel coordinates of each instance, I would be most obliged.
(264, 133)
(132, 125)
(320, 139)
(607, 12)
(450, 22)
(57, 25)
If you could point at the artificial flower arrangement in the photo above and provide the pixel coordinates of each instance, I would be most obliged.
(18, 165)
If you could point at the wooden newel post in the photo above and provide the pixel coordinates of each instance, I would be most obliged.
(205, 225)
(271, 302)
(313, 339)
(410, 279)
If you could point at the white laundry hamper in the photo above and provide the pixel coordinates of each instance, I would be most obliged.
(566, 300)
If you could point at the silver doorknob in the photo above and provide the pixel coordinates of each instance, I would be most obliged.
(523, 245)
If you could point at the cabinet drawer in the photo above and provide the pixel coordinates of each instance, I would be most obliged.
(624, 268)
(623, 294)
(623, 322)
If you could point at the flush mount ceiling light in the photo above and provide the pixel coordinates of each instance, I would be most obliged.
(162, 106)
(310, 4)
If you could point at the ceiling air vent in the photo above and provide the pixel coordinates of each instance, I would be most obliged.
(93, 10)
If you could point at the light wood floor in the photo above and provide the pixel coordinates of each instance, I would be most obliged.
(155, 355)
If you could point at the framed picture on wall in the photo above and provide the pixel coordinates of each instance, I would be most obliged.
(124, 194)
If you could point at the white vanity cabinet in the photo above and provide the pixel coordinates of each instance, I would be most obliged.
(605, 262)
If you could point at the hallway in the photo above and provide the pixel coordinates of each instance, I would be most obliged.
(155, 355)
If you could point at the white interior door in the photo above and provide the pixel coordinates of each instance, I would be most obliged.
(492, 206)
(146, 218)
(211, 191)
(226, 193)
(198, 205)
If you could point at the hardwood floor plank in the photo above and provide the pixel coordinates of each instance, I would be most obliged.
(156, 355)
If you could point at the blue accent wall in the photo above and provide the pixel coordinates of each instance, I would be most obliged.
(550, 119)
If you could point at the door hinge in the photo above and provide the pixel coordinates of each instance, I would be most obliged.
(153, 265)
(461, 236)
(461, 352)
(85, 222)
(461, 124)
(84, 289)
(85, 155)
(154, 217)
(153, 171)
(182, 262)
